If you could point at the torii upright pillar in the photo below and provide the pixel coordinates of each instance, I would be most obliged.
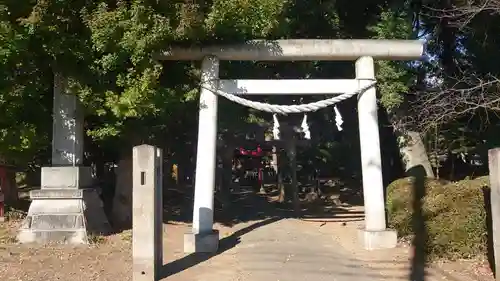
(203, 238)
(375, 235)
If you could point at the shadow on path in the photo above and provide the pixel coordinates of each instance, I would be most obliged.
(247, 207)
(225, 244)
(419, 243)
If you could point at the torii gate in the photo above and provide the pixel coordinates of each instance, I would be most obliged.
(375, 235)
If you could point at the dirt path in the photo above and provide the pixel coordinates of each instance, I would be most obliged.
(272, 248)
(287, 249)
(395, 264)
(271, 251)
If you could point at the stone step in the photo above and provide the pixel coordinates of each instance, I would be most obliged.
(70, 236)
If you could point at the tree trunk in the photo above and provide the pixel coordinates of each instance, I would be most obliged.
(279, 178)
(411, 146)
(122, 200)
(414, 153)
(292, 161)
(227, 173)
(274, 166)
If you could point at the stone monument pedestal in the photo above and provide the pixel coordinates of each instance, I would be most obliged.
(67, 208)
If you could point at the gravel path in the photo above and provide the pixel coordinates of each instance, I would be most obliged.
(256, 250)
(295, 250)
(282, 250)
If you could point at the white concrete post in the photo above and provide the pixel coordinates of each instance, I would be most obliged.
(371, 163)
(67, 126)
(147, 214)
(203, 238)
(369, 138)
(207, 147)
(494, 168)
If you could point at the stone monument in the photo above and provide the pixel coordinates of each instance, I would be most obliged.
(67, 208)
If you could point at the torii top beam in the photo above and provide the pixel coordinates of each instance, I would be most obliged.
(302, 50)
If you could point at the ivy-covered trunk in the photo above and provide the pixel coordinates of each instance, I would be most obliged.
(413, 153)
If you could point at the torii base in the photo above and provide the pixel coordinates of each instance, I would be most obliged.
(201, 242)
(377, 240)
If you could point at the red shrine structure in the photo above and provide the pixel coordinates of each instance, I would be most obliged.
(256, 162)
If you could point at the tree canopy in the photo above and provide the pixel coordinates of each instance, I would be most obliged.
(105, 49)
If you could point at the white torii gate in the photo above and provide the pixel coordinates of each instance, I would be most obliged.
(375, 235)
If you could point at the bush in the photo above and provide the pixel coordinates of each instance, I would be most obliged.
(455, 215)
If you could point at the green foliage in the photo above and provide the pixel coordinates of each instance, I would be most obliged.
(106, 50)
(393, 77)
(23, 111)
(123, 40)
(455, 215)
(245, 19)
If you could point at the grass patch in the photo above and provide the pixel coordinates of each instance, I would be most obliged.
(7, 235)
(14, 214)
(455, 214)
(96, 239)
(126, 235)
